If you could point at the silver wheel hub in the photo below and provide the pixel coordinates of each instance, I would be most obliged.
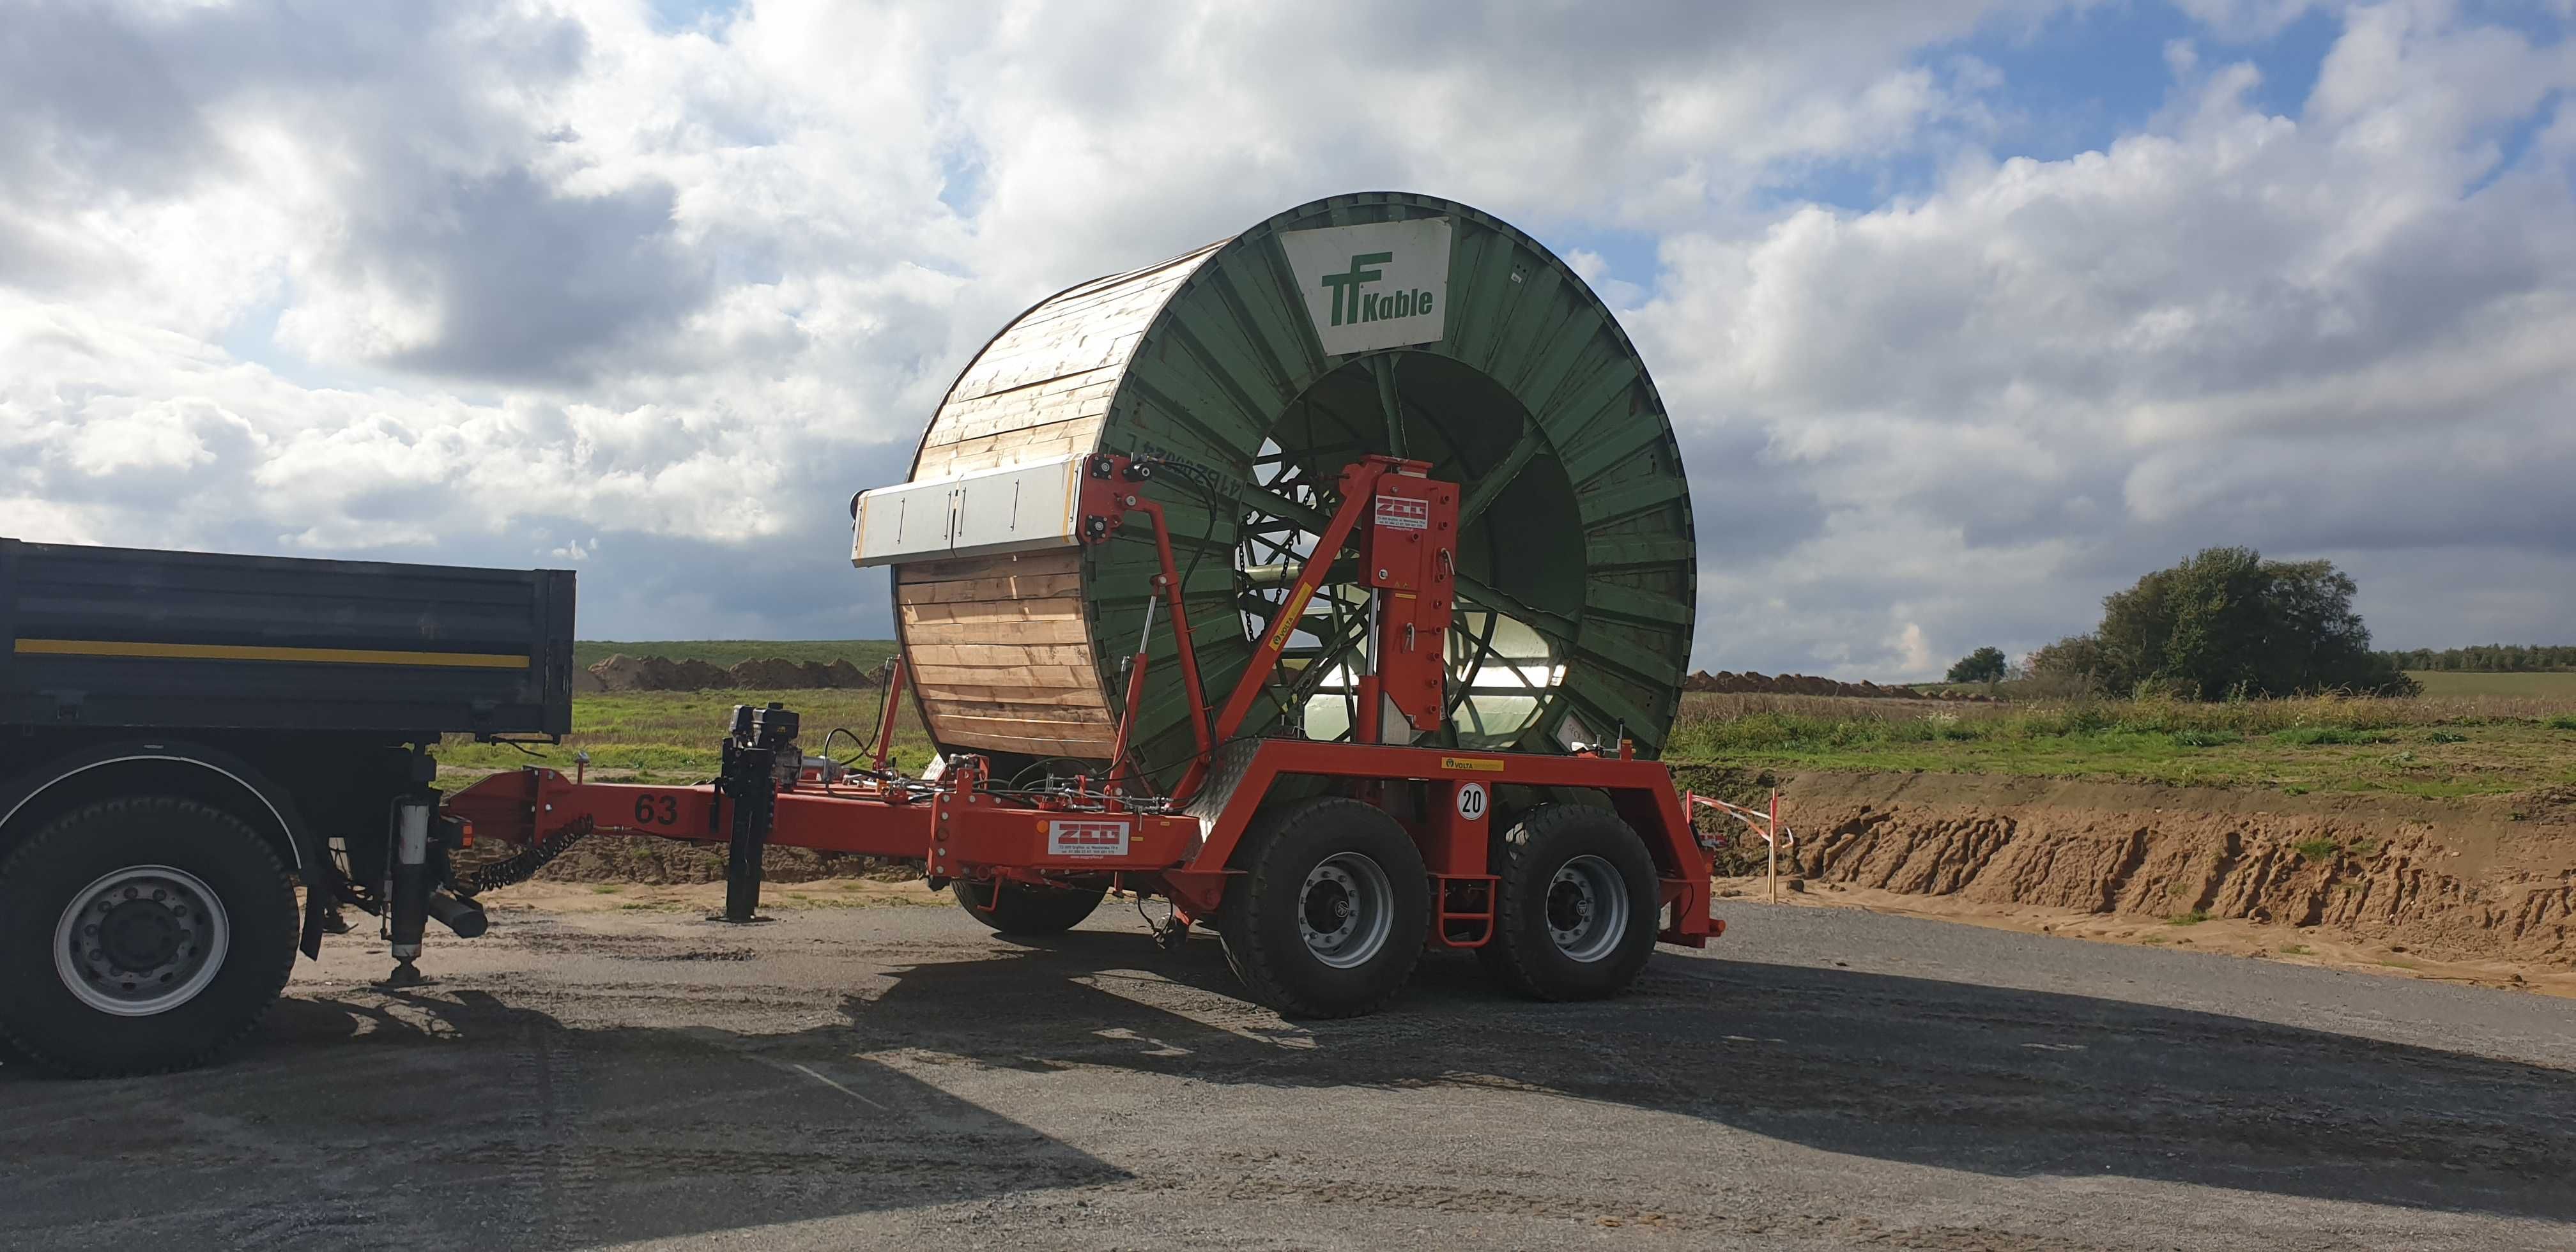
(141, 940)
(1587, 908)
(1346, 910)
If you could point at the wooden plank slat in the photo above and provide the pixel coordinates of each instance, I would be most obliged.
(1068, 632)
(975, 568)
(997, 654)
(1006, 587)
(1004, 617)
(1018, 736)
(1055, 717)
(1056, 697)
(1023, 677)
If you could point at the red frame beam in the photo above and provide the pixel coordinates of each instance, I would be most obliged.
(969, 832)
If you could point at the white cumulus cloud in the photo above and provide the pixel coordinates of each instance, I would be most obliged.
(545, 283)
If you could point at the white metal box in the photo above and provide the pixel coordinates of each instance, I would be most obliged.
(1017, 508)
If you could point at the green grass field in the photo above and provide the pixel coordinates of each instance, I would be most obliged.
(672, 736)
(2463, 738)
(867, 654)
(2433, 746)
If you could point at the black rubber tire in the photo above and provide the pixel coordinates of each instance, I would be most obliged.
(1522, 956)
(1016, 908)
(53, 1028)
(1258, 919)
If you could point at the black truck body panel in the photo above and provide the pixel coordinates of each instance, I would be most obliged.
(130, 637)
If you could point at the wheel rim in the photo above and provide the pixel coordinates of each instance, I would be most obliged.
(1587, 908)
(1346, 910)
(141, 940)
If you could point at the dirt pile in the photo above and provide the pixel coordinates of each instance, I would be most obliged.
(655, 673)
(1749, 683)
(640, 859)
(658, 673)
(2492, 877)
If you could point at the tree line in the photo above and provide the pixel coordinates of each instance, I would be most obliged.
(2493, 658)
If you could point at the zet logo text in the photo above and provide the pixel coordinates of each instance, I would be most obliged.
(1353, 302)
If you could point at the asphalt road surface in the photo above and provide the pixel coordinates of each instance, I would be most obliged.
(878, 1076)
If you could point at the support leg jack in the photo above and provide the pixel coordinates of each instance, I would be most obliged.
(749, 782)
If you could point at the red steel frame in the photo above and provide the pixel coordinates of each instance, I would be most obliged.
(963, 829)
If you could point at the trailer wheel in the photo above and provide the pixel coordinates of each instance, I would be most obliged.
(142, 935)
(1575, 912)
(1017, 908)
(1328, 918)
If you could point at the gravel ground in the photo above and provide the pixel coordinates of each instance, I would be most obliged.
(860, 1077)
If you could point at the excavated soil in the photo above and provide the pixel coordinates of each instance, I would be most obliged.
(664, 862)
(2489, 880)
(621, 672)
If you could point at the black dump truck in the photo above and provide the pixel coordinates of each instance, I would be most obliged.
(191, 738)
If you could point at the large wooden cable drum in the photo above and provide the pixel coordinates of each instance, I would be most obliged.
(1264, 363)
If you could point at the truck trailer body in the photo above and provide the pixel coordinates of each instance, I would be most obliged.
(191, 737)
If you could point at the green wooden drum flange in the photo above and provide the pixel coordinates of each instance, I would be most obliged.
(1371, 323)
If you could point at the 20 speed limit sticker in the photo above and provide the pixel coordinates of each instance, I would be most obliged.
(1471, 801)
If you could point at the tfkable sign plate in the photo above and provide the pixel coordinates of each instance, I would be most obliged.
(1382, 285)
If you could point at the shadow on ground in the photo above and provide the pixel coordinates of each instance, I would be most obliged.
(370, 1116)
(1957, 1075)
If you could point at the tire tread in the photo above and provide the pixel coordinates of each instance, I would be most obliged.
(52, 836)
(1515, 852)
(1250, 955)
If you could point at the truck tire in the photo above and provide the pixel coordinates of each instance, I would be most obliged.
(1017, 908)
(1575, 911)
(1329, 915)
(140, 935)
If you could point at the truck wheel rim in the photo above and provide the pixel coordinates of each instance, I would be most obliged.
(141, 940)
(1346, 910)
(1587, 908)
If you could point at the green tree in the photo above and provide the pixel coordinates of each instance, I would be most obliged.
(1985, 665)
(2227, 622)
(2072, 664)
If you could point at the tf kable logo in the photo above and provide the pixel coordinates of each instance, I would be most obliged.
(1353, 302)
(1372, 286)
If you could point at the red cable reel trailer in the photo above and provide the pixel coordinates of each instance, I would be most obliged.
(1456, 557)
(1326, 867)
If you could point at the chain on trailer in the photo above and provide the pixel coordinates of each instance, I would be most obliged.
(524, 864)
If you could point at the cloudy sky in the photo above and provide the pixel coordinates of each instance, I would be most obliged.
(1967, 313)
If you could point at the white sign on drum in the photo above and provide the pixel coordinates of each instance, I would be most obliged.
(1381, 285)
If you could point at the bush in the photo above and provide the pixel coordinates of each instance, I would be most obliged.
(2226, 625)
(1985, 665)
(2069, 667)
